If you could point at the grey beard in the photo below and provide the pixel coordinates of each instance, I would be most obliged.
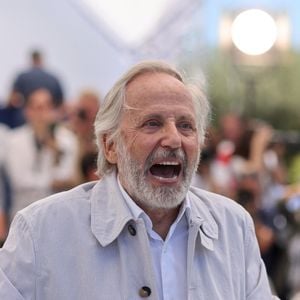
(143, 192)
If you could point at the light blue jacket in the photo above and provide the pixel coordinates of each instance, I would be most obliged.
(84, 244)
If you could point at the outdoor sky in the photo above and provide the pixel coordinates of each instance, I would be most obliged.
(212, 10)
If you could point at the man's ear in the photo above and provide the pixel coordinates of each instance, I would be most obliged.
(110, 151)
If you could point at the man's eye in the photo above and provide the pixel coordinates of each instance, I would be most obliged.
(151, 123)
(186, 126)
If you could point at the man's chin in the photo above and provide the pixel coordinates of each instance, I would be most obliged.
(162, 197)
(166, 205)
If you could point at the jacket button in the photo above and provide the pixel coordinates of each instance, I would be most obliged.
(131, 229)
(145, 291)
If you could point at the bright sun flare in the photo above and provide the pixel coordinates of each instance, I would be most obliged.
(254, 32)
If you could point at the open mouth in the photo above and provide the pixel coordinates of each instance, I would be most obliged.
(166, 170)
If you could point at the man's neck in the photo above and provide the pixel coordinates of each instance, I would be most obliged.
(162, 218)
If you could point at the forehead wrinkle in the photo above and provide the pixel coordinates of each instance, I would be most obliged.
(148, 96)
(156, 111)
(149, 86)
(158, 88)
(127, 107)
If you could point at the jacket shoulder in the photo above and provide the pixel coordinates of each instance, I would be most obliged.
(218, 205)
(74, 202)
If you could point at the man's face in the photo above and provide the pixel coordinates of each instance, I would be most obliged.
(39, 109)
(158, 149)
(84, 115)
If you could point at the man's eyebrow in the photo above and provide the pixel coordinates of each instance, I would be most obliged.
(188, 117)
(152, 116)
(160, 116)
(149, 116)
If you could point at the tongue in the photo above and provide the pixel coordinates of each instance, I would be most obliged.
(163, 171)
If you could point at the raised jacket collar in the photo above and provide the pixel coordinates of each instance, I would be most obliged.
(110, 213)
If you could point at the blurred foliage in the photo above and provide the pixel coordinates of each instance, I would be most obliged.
(294, 170)
(269, 93)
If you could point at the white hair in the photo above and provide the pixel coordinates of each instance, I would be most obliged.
(109, 115)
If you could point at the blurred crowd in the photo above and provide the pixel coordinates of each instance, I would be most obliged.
(250, 162)
(47, 146)
(47, 143)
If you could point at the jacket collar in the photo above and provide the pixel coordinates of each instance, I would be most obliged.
(110, 213)
(200, 213)
(202, 218)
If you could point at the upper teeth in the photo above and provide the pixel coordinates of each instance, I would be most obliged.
(169, 163)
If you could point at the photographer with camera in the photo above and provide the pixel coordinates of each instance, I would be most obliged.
(41, 154)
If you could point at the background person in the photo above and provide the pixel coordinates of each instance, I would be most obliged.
(36, 77)
(82, 120)
(40, 155)
(3, 186)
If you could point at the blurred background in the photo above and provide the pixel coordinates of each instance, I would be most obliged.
(246, 53)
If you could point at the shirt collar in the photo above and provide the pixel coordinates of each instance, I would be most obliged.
(135, 210)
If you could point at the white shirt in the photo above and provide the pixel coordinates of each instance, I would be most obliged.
(31, 172)
(169, 256)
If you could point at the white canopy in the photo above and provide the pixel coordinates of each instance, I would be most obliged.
(86, 42)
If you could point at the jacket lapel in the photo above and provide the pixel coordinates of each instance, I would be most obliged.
(109, 211)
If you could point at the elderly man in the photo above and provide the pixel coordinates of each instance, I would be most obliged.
(141, 231)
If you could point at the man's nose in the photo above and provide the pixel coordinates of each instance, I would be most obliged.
(171, 136)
